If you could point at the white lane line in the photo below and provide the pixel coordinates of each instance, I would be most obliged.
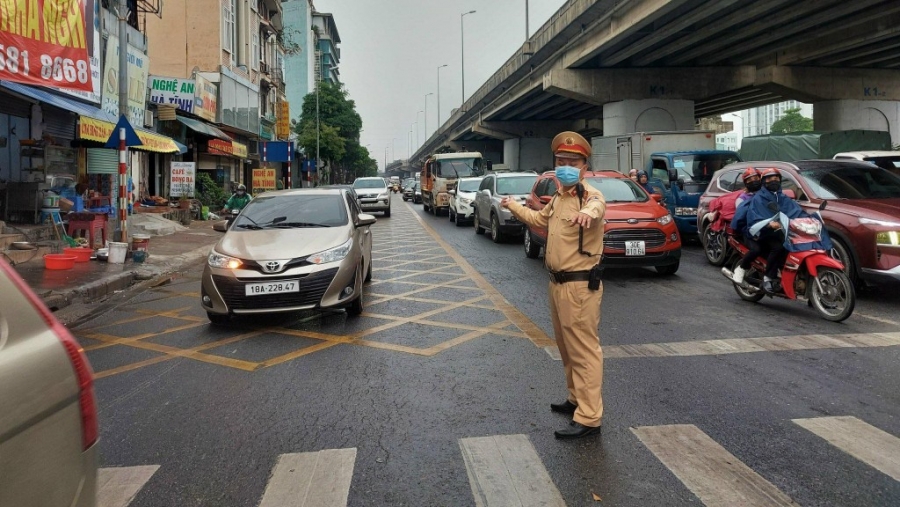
(706, 468)
(117, 487)
(745, 345)
(877, 319)
(505, 470)
(553, 352)
(311, 479)
(872, 446)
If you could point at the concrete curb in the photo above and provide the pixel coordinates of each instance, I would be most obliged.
(146, 276)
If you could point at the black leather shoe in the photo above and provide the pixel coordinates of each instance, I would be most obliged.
(576, 430)
(566, 407)
(768, 286)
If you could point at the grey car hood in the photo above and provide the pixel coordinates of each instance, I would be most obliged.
(279, 244)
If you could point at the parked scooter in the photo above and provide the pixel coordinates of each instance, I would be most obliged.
(810, 275)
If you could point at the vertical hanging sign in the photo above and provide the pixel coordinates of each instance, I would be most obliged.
(44, 42)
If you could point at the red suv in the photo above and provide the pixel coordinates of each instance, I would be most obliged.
(862, 214)
(638, 230)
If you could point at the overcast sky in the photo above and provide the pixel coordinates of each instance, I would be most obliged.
(390, 51)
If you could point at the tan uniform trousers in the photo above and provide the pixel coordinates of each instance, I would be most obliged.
(575, 311)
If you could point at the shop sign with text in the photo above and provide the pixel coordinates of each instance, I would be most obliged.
(45, 43)
(173, 91)
(182, 180)
(138, 66)
(220, 147)
(283, 125)
(263, 180)
(205, 102)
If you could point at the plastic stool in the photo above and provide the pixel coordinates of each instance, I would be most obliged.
(90, 228)
(53, 215)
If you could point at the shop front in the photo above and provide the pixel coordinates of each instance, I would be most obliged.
(223, 161)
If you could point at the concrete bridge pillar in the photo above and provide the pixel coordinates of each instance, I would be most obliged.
(859, 114)
(647, 115)
(528, 154)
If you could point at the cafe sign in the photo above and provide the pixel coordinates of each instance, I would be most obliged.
(182, 179)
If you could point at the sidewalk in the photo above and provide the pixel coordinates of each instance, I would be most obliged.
(91, 281)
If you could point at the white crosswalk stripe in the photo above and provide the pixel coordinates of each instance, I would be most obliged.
(505, 470)
(117, 487)
(706, 468)
(865, 442)
(311, 479)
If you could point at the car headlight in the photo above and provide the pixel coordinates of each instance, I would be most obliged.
(333, 255)
(464, 201)
(882, 223)
(887, 238)
(665, 220)
(218, 260)
(685, 211)
(383, 196)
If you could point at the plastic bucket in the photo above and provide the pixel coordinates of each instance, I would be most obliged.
(51, 201)
(204, 212)
(81, 254)
(140, 242)
(59, 261)
(139, 256)
(117, 252)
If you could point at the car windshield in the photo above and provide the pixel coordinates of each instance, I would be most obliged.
(459, 168)
(697, 169)
(852, 182)
(297, 210)
(369, 183)
(889, 163)
(515, 185)
(619, 190)
(469, 185)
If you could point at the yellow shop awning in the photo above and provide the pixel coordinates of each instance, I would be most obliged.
(92, 129)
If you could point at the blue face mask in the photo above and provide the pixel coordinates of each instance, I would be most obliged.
(567, 175)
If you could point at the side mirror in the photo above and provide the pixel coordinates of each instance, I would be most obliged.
(490, 165)
(486, 192)
(451, 192)
(221, 226)
(673, 175)
(790, 193)
(545, 199)
(680, 183)
(656, 197)
(364, 219)
(822, 206)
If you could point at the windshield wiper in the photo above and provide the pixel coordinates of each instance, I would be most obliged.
(245, 217)
(292, 225)
(249, 226)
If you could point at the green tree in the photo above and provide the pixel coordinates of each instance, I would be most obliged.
(338, 117)
(792, 121)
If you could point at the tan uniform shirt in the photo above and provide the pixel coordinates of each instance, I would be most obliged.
(561, 253)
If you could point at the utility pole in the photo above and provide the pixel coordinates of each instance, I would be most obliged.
(462, 49)
(318, 168)
(439, 94)
(120, 232)
(527, 31)
(426, 114)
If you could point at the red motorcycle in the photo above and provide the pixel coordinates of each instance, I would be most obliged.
(810, 275)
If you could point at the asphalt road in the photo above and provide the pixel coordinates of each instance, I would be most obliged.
(214, 408)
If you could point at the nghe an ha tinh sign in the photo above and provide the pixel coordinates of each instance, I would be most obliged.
(173, 91)
(44, 42)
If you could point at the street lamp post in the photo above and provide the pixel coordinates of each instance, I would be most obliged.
(439, 95)
(415, 126)
(462, 51)
(527, 32)
(426, 114)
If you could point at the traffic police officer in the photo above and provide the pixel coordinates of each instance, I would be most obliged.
(574, 307)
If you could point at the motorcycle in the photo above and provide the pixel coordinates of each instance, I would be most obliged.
(810, 275)
(231, 215)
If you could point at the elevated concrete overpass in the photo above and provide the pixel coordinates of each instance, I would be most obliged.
(605, 67)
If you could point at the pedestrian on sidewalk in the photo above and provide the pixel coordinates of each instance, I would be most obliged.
(574, 223)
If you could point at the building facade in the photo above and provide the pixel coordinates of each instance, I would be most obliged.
(328, 54)
(759, 120)
(300, 45)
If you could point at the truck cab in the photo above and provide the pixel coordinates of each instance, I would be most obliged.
(681, 177)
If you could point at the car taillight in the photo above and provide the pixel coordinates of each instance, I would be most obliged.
(90, 427)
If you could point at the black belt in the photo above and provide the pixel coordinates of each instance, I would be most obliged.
(569, 276)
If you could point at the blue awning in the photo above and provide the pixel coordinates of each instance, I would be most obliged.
(79, 108)
(182, 149)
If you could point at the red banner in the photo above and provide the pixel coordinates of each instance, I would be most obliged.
(44, 42)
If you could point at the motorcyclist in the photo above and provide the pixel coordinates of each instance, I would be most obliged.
(644, 181)
(752, 184)
(633, 175)
(238, 200)
(762, 223)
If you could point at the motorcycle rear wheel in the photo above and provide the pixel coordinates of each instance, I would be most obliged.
(836, 298)
(745, 293)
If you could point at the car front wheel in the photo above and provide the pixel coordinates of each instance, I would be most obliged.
(532, 249)
(496, 235)
(478, 228)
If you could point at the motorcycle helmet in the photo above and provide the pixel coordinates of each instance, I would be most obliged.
(768, 172)
(749, 173)
(241, 188)
(771, 179)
